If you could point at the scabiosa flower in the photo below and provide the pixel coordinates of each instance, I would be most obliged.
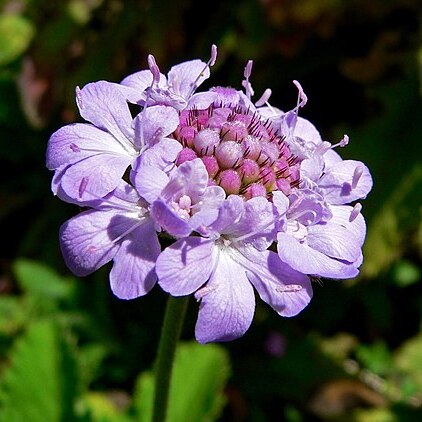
(119, 228)
(90, 159)
(222, 267)
(251, 196)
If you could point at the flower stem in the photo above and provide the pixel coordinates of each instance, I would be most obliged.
(170, 333)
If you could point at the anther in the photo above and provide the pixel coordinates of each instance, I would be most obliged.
(357, 174)
(355, 212)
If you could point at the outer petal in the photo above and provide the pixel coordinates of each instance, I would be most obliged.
(227, 303)
(104, 104)
(94, 177)
(307, 260)
(185, 266)
(133, 272)
(140, 81)
(337, 182)
(341, 215)
(185, 77)
(287, 291)
(86, 243)
(334, 240)
(73, 143)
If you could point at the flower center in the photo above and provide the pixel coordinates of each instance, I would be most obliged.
(241, 153)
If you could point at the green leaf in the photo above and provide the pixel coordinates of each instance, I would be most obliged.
(196, 392)
(41, 383)
(16, 33)
(39, 279)
(408, 359)
(388, 232)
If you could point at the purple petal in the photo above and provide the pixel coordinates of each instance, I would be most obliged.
(133, 272)
(169, 220)
(307, 260)
(211, 201)
(149, 181)
(341, 215)
(185, 77)
(162, 155)
(256, 222)
(230, 212)
(94, 177)
(287, 291)
(227, 303)
(185, 266)
(155, 123)
(334, 240)
(104, 104)
(140, 81)
(73, 143)
(86, 243)
(341, 185)
(202, 100)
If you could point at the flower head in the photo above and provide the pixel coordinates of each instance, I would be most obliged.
(249, 197)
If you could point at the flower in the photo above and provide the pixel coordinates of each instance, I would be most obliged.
(117, 228)
(222, 267)
(247, 197)
(89, 159)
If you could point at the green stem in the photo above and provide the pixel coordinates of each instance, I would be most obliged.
(170, 333)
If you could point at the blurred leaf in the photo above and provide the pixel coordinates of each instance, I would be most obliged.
(15, 35)
(388, 231)
(375, 357)
(12, 315)
(409, 359)
(40, 384)
(38, 279)
(374, 415)
(196, 393)
(102, 409)
(406, 273)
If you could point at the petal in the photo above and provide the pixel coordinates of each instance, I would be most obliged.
(337, 182)
(140, 81)
(230, 212)
(149, 181)
(86, 243)
(133, 272)
(211, 201)
(169, 220)
(257, 223)
(185, 77)
(185, 266)
(104, 104)
(227, 303)
(94, 177)
(334, 240)
(341, 215)
(307, 260)
(155, 123)
(162, 155)
(202, 100)
(73, 143)
(287, 291)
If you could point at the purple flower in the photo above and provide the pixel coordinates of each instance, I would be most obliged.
(182, 202)
(227, 179)
(177, 90)
(90, 159)
(119, 229)
(222, 268)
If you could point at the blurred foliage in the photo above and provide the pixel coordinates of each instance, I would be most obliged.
(69, 351)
